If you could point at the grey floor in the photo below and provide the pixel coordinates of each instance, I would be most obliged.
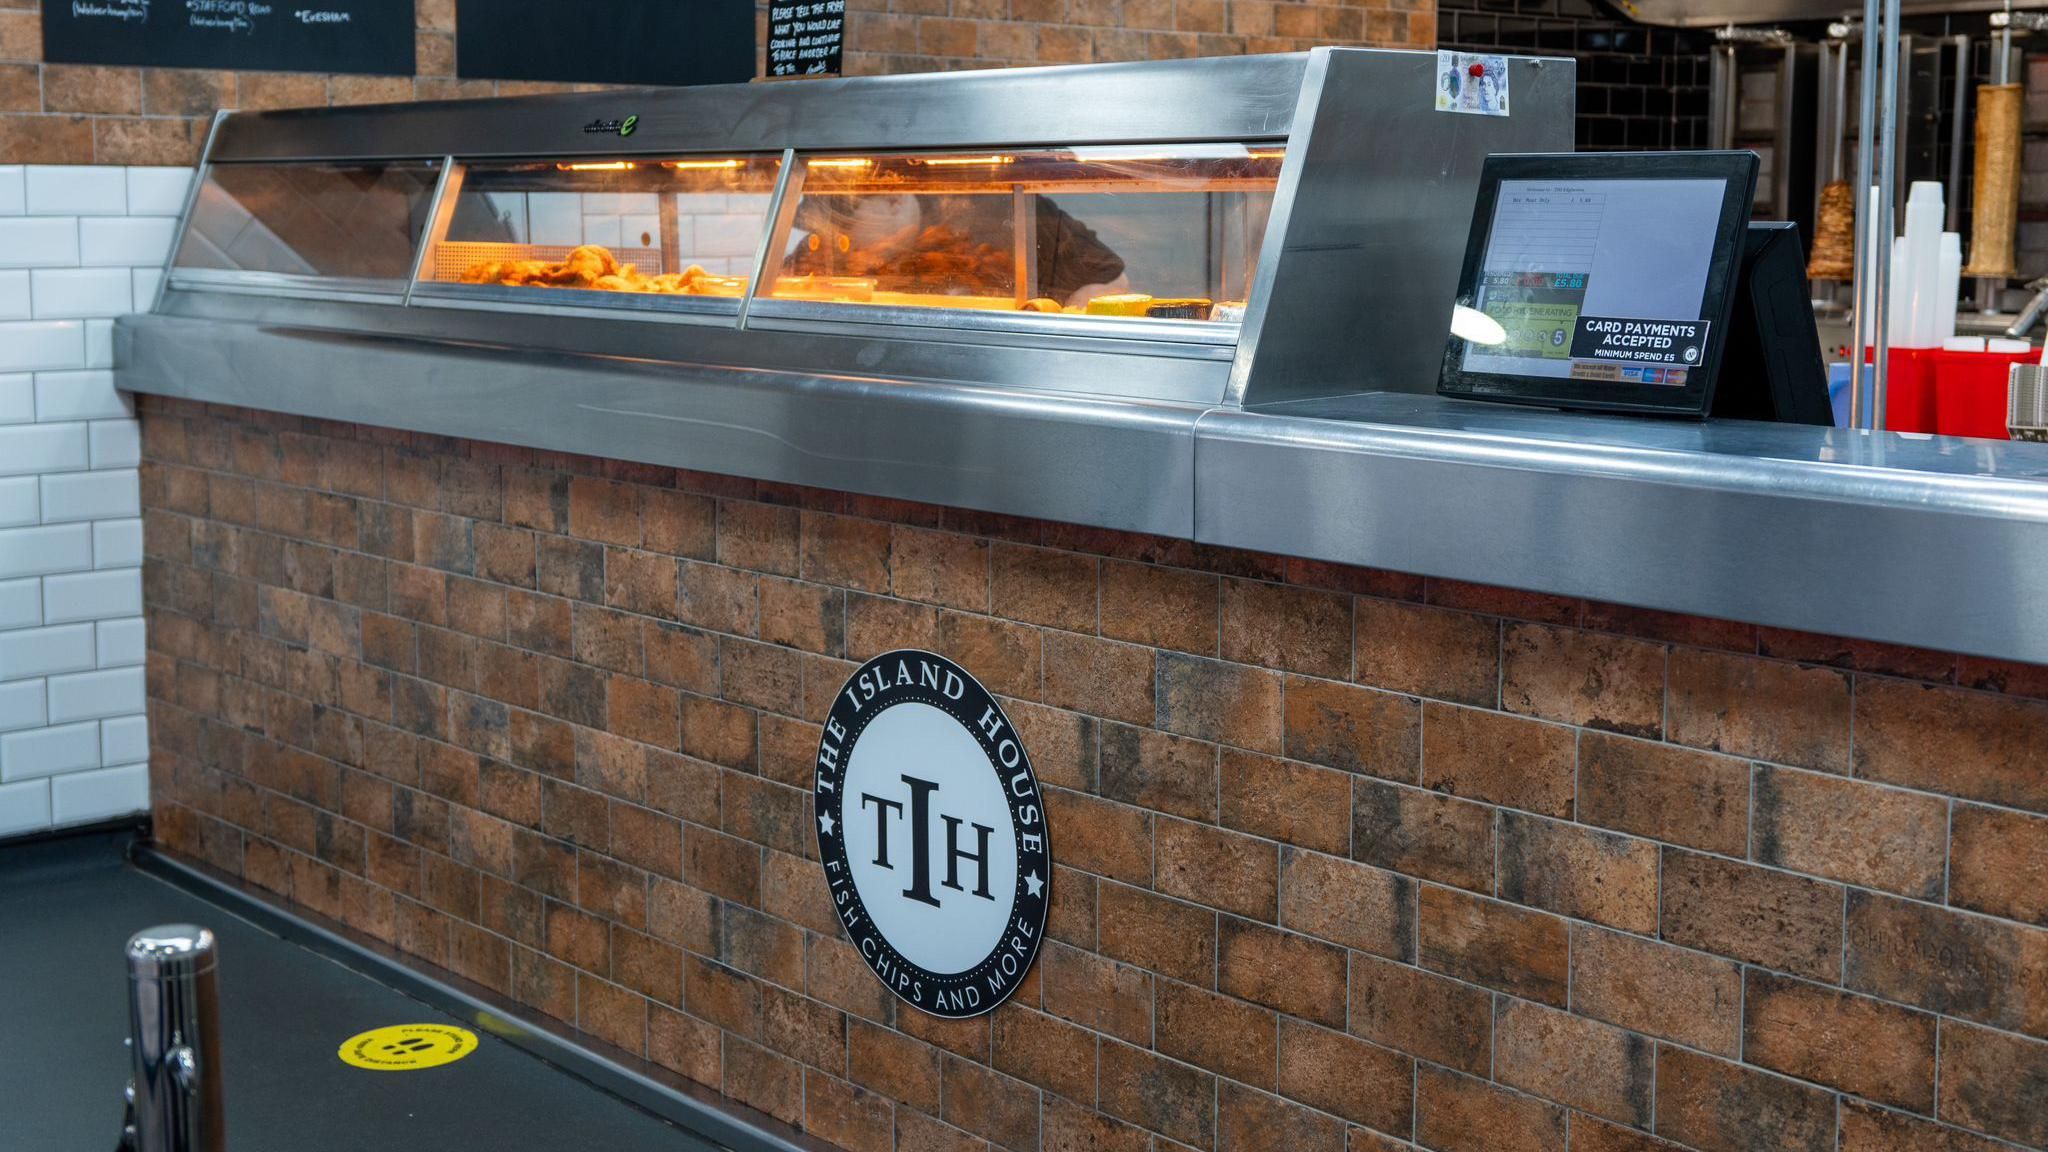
(68, 907)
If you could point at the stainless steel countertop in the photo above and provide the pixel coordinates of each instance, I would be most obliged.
(1928, 541)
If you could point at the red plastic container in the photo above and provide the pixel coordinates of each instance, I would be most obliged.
(1970, 392)
(1909, 388)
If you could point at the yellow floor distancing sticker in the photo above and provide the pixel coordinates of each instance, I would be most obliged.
(407, 1047)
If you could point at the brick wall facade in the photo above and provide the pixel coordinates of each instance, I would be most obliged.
(81, 114)
(1346, 859)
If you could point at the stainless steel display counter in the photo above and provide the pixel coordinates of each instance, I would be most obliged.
(1323, 189)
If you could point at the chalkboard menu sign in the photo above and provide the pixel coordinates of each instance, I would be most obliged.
(665, 42)
(806, 37)
(373, 36)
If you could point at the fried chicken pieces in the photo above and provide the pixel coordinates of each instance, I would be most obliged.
(594, 266)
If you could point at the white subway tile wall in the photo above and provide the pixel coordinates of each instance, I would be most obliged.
(79, 246)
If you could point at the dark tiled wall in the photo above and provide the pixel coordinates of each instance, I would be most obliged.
(1639, 87)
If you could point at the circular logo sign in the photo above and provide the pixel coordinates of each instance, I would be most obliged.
(932, 833)
(405, 1047)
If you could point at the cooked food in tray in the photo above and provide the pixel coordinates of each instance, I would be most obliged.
(593, 266)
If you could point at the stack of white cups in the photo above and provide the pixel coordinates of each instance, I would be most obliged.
(1927, 267)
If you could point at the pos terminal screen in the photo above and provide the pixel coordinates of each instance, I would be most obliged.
(1598, 279)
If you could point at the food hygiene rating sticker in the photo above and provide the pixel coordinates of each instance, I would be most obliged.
(407, 1047)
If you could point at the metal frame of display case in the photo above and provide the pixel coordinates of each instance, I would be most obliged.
(1295, 439)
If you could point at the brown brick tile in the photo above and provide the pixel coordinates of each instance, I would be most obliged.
(1291, 628)
(767, 813)
(721, 599)
(1969, 744)
(544, 984)
(876, 624)
(1247, 1120)
(719, 732)
(1226, 703)
(1427, 1016)
(1169, 1098)
(795, 1026)
(967, 1038)
(1347, 578)
(1497, 601)
(845, 551)
(536, 499)
(1005, 657)
(678, 523)
(1043, 586)
(1499, 945)
(2002, 676)
(1693, 799)
(849, 1117)
(721, 864)
(1859, 655)
(1999, 863)
(1671, 627)
(1214, 1032)
(1574, 1061)
(1356, 729)
(990, 1105)
(1351, 904)
(1160, 935)
(91, 88)
(1498, 759)
(643, 711)
(1292, 974)
(1876, 1050)
(572, 568)
(1296, 803)
(807, 616)
(1171, 774)
(917, 1132)
(1072, 915)
(1222, 869)
(1764, 709)
(675, 655)
(764, 1080)
(1097, 836)
(758, 537)
(1868, 1128)
(895, 1065)
(1099, 677)
(1358, 1081)
(1954, 963)
(647, 840)
(538, 623)
(1428, 652)
(1160, 607)
(1062, 744)
(547, 746)
(1995, 1083)
(1579, 872)
(1851, 831)
(1583, 678)
(1423, 834)
(148, 140)
(1590, 1135)
(1748, 913)
(604, 511)
(1456, 1113)
(761, 676)
(1094, 992)
(643, 582)
(647, 966)
(578, 938)
(939, 568)
(1716, 1106)
(1043, 1050)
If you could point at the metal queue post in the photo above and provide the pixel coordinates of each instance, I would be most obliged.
(1872, 265)
(174, 1099)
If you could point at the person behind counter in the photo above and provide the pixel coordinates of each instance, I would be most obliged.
(951, 245)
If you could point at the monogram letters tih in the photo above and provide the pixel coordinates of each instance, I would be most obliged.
(932, 833)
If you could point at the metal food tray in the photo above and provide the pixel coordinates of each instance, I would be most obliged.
(451, 258)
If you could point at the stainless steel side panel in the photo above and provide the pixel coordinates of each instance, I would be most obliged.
(1940, 543)
(1126, 465)
(1223, 98)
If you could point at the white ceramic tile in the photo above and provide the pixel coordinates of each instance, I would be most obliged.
(18, 504)
(24, 807)
(30, 652)
(34, 345)
(84, 395)
(83, 797)
(113, 494)
(21, 603)
(116, 543)
(92, 596)
(555, 217)
(640, 203)
(602, 204)
(124, 739)
(99, 344)
(38, 241)
(119, 643)
(17, 398)
(127, 241)
(77, 190)
(41, 448)
(158, 191)
(39, 551)
(76, 293)
(147, 281)
(21, 705)
(38, 752)
(115, 443)
(641, 231)
(13, 190)
(731, 235)
(96, 695)
(14, 300)
(601, 230)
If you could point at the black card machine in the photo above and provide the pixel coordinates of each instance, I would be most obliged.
(1634, 282)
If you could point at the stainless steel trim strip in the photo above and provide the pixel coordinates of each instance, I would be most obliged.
(440, 207)
(781, 210)
(185, 213)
